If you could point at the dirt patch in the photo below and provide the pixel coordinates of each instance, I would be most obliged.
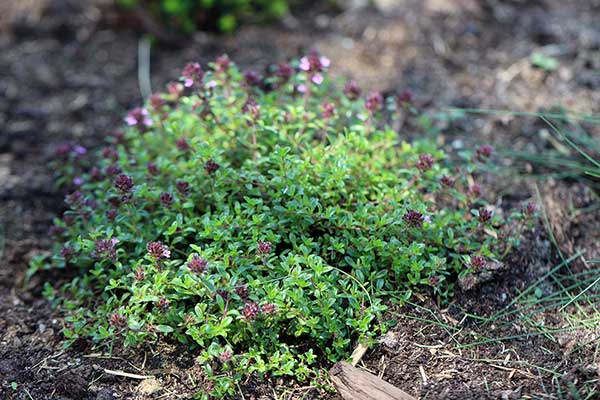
(70, 77)
(451, 353)
(574, 217)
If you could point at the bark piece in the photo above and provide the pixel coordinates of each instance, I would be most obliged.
(356, 384)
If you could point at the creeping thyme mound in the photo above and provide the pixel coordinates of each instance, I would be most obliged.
(263, 219)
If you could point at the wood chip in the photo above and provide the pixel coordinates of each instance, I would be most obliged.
(356, 384)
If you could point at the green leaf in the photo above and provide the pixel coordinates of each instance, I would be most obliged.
(164, 328)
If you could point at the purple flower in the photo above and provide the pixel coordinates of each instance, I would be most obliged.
(447, 180)
(304, 64)
(250, 311)
(485, 215)
(484, 152)
(413, 218)
(242, 291)
(222, 63)
(374, 102)
(225, 357)
(264, 248)
(79, 150)
(352, 90)
(117, 320)
(224, 293)
(91, 203)
(139, 118)
(197, 265)
(139, 274)
(314, 63)
(425, 162)
(405, 97)
(328, 110)
(301, 88)
(163, 304)
(252, 78)
(183, 187)
(182, 144)
(156, 101)
(475, 190)
(478, 263)
(166, 199)
(124, 183)
(95, 174)
(284, 71)
(152, 168)
(427, 218)
(175, 90)
(434, 280)
(67, 252)
(74, 198)
(110, 153)
(62, 150)
(268, 308)
(192, 74)
(530, 208)
(251, 107)
(157, 250)
(112, 214)
(78, 181)
(112, 169)
(105, 248)
(211, 167)
(115, 201)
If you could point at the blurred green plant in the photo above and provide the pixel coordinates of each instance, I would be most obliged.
(544, 62)
(224, 15)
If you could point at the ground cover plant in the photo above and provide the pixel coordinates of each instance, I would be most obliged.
(265, 219)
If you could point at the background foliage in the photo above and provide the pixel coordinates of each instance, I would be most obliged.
(225, 15)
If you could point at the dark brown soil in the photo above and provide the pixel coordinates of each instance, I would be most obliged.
(71, 75)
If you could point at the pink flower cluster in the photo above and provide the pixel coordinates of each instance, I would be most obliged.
(197, 265)
(264, 248)
(425, 162)
(139, 118)
(413, 218)
(313, 64)
(158, 251)
(478, 263)
(106, 248)
(251, 310)
(192, 74)
(124, 183)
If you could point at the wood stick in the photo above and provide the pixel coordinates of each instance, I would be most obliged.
(356, 384)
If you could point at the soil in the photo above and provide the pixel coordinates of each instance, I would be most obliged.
(69, 73)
